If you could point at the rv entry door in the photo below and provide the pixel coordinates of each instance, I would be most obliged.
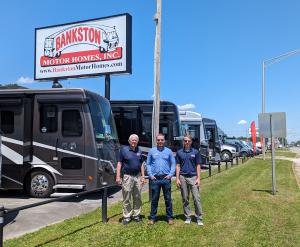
(70, 144)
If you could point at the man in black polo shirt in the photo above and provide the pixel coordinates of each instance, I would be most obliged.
(188, 170)
(130, 160)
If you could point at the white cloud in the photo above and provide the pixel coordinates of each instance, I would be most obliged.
(186, 107)
(25, 80)
(241, 122)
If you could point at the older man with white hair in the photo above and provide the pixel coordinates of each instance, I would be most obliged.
(130, 162)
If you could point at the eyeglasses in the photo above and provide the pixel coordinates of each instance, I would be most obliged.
(187, 140)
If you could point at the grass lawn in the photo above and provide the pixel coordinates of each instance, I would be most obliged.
(285, 153)
(239, 211)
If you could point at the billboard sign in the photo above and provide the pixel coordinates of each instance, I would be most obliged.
(272, 124)
(83, 49)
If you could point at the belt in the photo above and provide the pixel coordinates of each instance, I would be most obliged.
(160, 176)
(188, 175)
(131, 173)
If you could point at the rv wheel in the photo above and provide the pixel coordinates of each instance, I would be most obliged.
(40, 184)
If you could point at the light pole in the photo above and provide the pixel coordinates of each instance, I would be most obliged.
(268, 63)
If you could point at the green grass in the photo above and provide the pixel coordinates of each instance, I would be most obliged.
(285, 153)
(239, 211)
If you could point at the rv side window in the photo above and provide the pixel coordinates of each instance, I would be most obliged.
(48, 118)
(71, 123)
(147, 134)
(71, 163)
(7, 122)
(126, 120)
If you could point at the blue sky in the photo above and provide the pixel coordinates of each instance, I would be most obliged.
(211, 54)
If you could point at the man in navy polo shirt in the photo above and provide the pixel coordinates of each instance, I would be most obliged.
(160, 168)
(188, 170)
(130, 160)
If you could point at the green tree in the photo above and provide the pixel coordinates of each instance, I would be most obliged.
(11, 86)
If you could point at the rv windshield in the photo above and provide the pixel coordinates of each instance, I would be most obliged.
(102, 118)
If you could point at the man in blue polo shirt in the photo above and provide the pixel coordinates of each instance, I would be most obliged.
(160, 168)
(130, 160)
(188, 170)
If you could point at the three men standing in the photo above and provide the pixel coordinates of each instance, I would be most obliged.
(160, 167)
(130, 160)
(188, 169)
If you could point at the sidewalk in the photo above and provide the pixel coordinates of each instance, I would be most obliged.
(33, 219)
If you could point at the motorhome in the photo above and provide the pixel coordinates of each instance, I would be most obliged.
(212, 136)
(135, 117)
(204, 134)
(56, 139)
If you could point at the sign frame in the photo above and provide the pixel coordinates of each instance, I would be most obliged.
(273, 123)
(123, 59)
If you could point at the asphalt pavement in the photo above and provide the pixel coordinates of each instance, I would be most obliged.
(32, 219)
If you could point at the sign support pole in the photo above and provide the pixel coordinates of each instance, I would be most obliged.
(107, 86)
(273, 159)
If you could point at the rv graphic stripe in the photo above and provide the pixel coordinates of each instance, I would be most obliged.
(62, 150)
(18, 159)
(47, 167)
(11, 155)
(10, 140)
(13, 180)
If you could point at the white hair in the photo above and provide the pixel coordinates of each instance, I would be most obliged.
(133, 136)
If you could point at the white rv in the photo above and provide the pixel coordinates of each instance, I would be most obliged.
(204, 133)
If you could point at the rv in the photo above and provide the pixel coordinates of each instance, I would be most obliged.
(214, 143)
(56, 139)
(135, 117)
(204, 134)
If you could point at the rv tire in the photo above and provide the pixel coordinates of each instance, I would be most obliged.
(40, 184)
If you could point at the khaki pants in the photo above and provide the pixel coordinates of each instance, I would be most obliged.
(187, 185)
(131, 187)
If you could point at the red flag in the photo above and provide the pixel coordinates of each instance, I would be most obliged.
(253, 134)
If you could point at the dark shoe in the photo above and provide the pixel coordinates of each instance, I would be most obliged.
(137, 219)
(151, 222)
(126, 221)
(171, 222)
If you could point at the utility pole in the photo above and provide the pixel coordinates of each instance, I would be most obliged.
(156, 100)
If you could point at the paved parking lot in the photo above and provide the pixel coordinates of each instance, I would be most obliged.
(29, 220)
